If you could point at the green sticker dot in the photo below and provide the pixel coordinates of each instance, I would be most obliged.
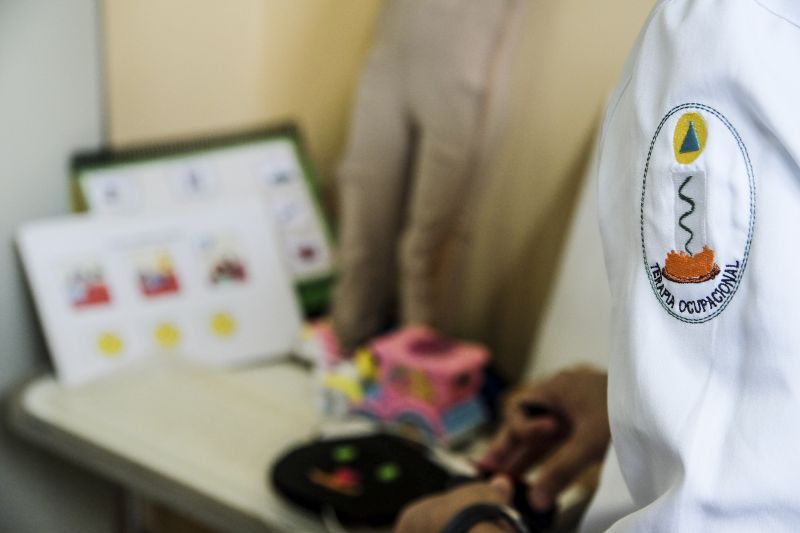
(344, 454)
(387, 472)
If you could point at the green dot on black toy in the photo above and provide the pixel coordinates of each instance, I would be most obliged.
(364, 480)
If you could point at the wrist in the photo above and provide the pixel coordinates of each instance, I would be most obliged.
(486, 518)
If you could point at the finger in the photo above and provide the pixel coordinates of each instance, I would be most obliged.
(527, 429)
(495, 491)
(503, 486)
(524, 459)
(559, 471)
(530, 395)
(495, 456)
(535, 440)
(520, 444)
(518, 463)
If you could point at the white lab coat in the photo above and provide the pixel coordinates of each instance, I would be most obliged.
(701, 148)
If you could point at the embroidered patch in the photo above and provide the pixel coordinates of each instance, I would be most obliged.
(697, 212)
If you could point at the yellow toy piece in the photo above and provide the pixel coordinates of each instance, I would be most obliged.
(366, 365)
(347, 385)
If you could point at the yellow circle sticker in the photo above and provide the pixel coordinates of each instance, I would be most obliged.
(167, 335)
(223, 324)
(110, 344)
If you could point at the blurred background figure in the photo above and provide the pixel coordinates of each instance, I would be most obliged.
(408, 176)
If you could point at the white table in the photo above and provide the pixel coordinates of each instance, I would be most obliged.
(198, 440)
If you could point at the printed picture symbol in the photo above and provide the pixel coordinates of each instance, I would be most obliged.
(225, 264)
(288, 213)
(223, 325)
(87, 287)
(111, 193)
(193, 182)
(157, 276)
(167, 335)
(281, 177)
(196, 182)
(110, 344)
(228, 269)
(277, 173)
(278, 176)
(293, 211)
(307, 252)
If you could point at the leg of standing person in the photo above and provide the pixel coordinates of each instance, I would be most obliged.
(372, 181)
(451, 56)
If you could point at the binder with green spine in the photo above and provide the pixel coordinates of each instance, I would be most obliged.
(269, 162)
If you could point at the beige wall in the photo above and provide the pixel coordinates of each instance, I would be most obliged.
(193, 66)
(186, 67)
(568, 59)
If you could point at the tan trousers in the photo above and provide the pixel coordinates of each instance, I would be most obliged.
(407, 174)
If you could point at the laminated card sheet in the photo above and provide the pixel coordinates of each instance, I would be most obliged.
(265, 166)
(205, 283)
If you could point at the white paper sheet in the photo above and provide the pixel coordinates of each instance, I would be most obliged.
(207, 283)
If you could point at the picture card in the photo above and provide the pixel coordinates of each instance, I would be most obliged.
(265, 165)
(207, 283)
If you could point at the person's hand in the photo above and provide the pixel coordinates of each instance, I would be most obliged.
(570, 436)
(431, 514)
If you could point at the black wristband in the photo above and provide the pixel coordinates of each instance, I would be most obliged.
(468, 517)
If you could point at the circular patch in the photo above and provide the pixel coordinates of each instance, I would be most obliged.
(697, 212)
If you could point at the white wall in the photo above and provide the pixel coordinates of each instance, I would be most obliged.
(50, 104)
(576, 325)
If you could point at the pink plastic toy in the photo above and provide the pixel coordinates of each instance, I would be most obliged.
(427, 384)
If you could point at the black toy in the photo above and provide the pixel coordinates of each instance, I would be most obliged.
(367, 480)
(364, 480)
